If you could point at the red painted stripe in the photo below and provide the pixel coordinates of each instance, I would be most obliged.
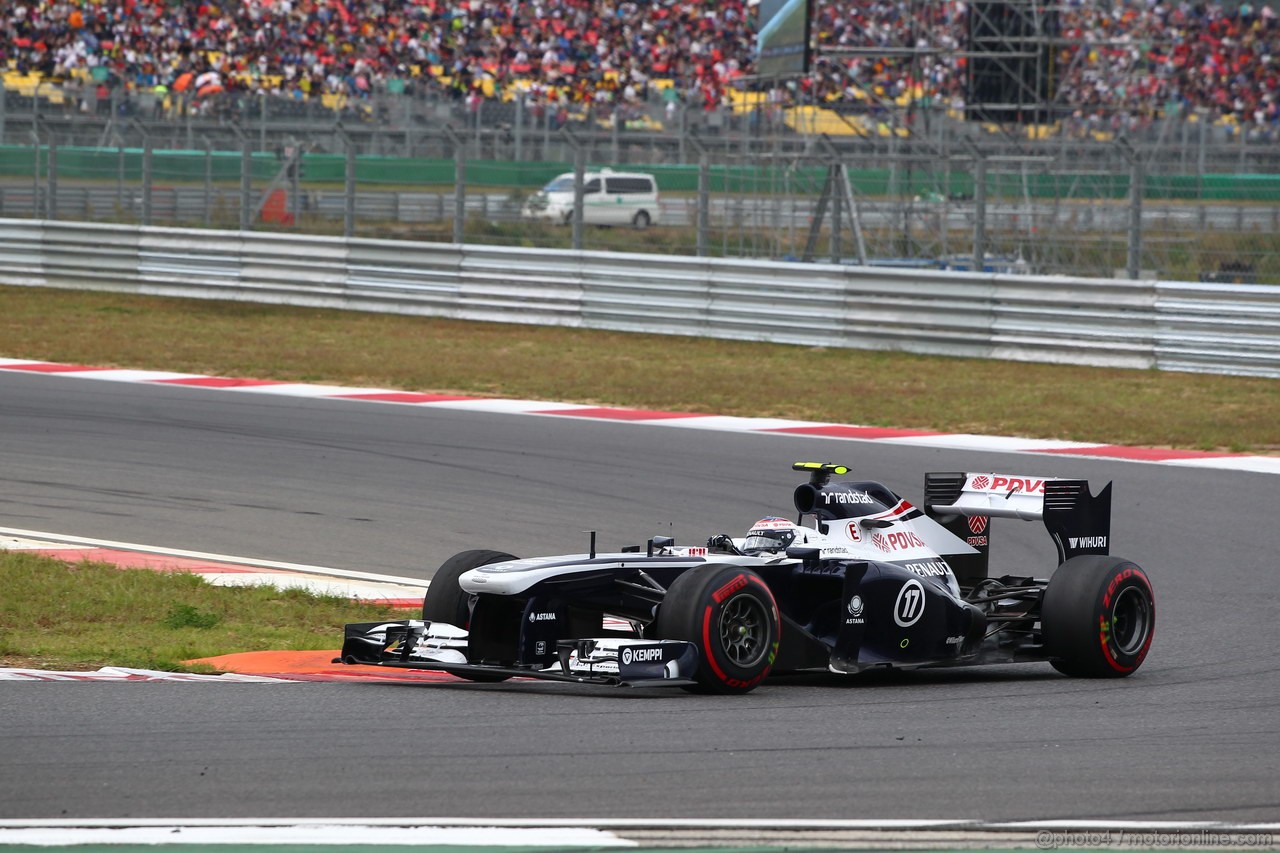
(1148, 454)
(218, 382)
(837, 431)
(405, 397)
(612, 414)
(44, 367)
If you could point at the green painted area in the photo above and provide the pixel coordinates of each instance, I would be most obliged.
(187, 166)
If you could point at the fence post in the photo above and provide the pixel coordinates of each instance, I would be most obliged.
(579, 177)
(704, 203)
(294, 165)
(459, 185)
(51, 203)
(146, 180)
(120, 168)
(683, 132)
(208, 182)
(349, 189)
(615, 144)
(1134, 265)
(979, 213)
(35, 174)
(837, 212)
(406, 101)
(246, 185)
(519, 128)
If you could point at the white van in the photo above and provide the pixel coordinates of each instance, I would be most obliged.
(608, 198)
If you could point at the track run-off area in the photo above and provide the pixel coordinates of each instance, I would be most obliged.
(369, 485)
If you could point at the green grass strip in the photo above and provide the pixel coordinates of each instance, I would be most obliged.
(81, 616)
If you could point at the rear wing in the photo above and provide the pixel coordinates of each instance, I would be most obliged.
(1078, 521)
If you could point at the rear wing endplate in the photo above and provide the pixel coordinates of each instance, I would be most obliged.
(1078, 521)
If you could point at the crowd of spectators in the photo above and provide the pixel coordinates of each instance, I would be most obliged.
(1114, 61)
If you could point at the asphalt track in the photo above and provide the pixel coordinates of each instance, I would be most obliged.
(371, 487)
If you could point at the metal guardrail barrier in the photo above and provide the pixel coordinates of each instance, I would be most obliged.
(956, 201)
(1210, 328)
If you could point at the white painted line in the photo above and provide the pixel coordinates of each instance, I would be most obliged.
(966, 441)
(117, 673)
(367, 836)
(1259, 464)
(816, 824)
(134, 375)
(302, 390)
(59, 539)
(512, 407)
(770, 426)
(363, 591)
(13, 543)
(729, 423)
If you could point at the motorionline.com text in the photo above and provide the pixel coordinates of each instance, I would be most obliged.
(1187, 840)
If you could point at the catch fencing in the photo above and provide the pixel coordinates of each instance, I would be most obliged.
(1188, 203)
(1211, 328)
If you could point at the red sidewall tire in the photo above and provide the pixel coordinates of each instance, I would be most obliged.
(731, 616)
(1098, 617)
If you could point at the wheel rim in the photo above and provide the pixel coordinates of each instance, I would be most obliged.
(744, 630)
(1130, 620)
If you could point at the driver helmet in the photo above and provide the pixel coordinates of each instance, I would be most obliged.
(769, 534)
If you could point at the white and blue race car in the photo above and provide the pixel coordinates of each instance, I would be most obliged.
(860, 580)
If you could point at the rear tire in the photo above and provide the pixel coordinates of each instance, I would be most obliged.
(641, 220)
(730, 615)
(1098, 616)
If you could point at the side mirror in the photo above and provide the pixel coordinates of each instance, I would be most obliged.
(660, 542)
(806, 554)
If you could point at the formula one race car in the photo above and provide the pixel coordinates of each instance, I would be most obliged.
(861, 580)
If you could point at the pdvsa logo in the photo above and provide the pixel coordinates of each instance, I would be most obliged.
(977, 524)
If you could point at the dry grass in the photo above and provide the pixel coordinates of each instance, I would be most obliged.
(684, 374)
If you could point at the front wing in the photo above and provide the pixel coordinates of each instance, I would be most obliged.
(415, 644)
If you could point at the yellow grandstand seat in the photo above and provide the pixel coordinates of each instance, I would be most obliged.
(810, 119)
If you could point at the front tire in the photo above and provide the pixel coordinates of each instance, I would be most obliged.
(730, 615)
(1098, 616)
(445, 601)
